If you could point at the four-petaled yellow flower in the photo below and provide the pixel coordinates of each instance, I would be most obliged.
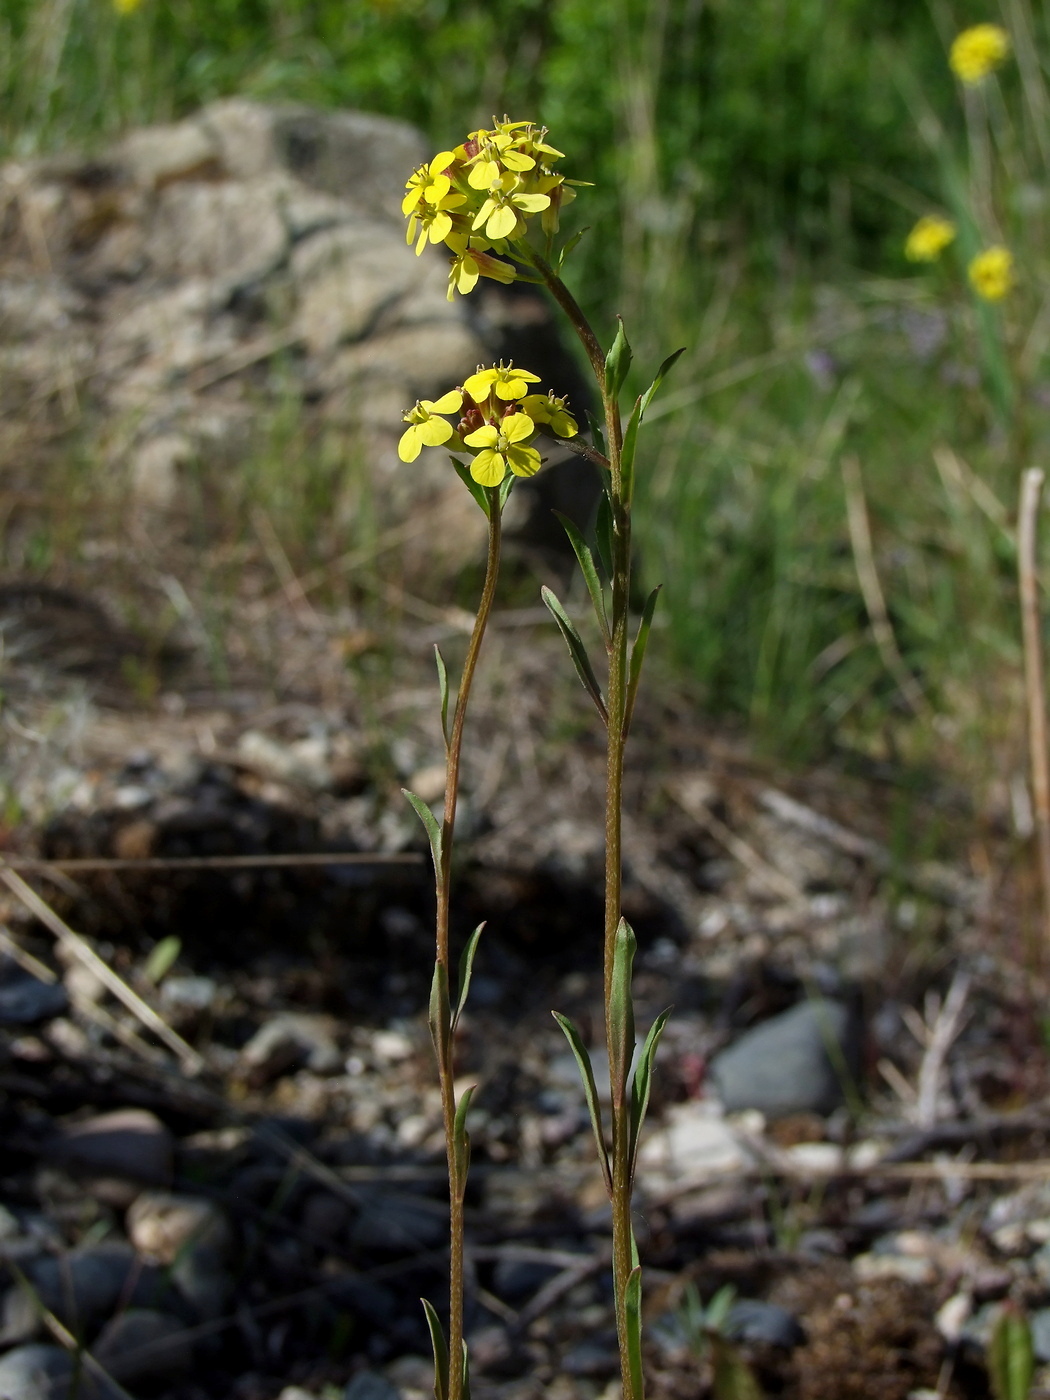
(126, 7)
(929, 238)
(551, 410)
(471, 263)
(425, 429)
(991, 273)
(978, 51)
(501, 214)
(429, 183)
(502, 448)
(508, 382)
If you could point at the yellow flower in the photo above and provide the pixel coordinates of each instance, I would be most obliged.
(928, 239)
(509, 383)
(550, 410)
(425, 429)
(429, 183)
(978, 51)
(502, 448)
(471, 263)
(991, 273)
(501, 214)
(433, 220)
(126, 7)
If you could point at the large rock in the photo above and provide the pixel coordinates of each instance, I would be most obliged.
(798, 1062)
(157, 294)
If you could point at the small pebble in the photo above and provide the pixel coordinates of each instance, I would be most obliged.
(161, 1224)
(39, 1372)
(129, 1142)
(141, 1342)
(370, 1385)
(25, 1000)
(751, 1320)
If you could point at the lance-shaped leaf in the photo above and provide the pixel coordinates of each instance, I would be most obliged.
(466, 1373)
(466, 967)
(603, 532)
(440, 1349)
(597, 433)
(633, 1302)
(634, 672)
(617, 362)
(570, 247)
(661, 375)
(442, 671)
(440, 1016)
(1010, 1359)
(577, 651)
(733, 1378)
(641, 1085)
(621, 1012)
(630, 445)
(576, 1045)
(504, 489)
(590, 573)
(430, 822)
(478, 492)
(461, 1140)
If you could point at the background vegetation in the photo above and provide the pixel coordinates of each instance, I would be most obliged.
(756, 169)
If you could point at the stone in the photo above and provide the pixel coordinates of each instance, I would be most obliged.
(783, 1066)
(81, 1288)
(694, 1144)
(128, 1142)
(752, 1320)
(201, 1276)
(1039, 1322)
(288, 1041)
(40, 1372)
(393, 1223)
(189, 995)
(141, 1342)
(157, 155)
(370, 1385)
(25, 1000)
(162, 1225)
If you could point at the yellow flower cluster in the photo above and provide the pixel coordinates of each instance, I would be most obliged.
(479, 199)
(991, 273)
(500, 418)
(929, 238)
(978, 51)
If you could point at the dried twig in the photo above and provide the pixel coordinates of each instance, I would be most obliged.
(944, 1021)
(1035, 686)
(738, 848)
(253, 862)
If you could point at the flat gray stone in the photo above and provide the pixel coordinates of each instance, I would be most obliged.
(40, 1372)
(25, 1000)
(129, 1142)
(142, 1342)
(792, 1063)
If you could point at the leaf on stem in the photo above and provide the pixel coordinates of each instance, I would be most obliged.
(634, 673)
(641, 1085)
(502, 492)
(466, 967)
(630, 445)
(442, 671)
(603, 532)
(621, 1012)
(440, 1350)
(440, 1017)
(597, 433)
(733, 1378)
(461, 1140)
(633, 1302)
(617, 362)
(430, 822)
(661, 375)
(466, 1373)
(478, 492)
(1010, 1356)
(577, 651)
(576, 1045)
(590, 573)
(569, 247)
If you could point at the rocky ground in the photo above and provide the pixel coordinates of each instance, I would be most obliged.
(222, 1169)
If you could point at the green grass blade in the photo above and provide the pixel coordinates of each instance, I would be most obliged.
(621, 1011)
(577, 651)
(641, 641)
(430, 822)
(590, 573)
(1010, 1359)
(576, 1045)
(466, 968)
(442, 671)
(440, 1350)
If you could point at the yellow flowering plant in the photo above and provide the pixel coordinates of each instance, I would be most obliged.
(978, 51)
(495, 201)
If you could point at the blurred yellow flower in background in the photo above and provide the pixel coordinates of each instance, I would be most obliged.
(978, 51)
(929, 238)
(991, 273)
(126, 7)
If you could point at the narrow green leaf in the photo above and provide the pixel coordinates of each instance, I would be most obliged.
(590, 573)
(733, 1378)
(630, 444)
(162, 958)
(461, 1139)
(642, 1084)
(641, 641)
(506, 486)
(440, 1349)
(633, 1300)
(719, 1306)
(597, 433)
(442, 671)
(430, 822)
(569, 247)
(466, 967)
(577, 651)
(440, 1017)
(621, 1012)
(661, 375)
(603, 531)
(1010, 1358)
(617, 361)
(466, 1373)
(576, 1045)
(478, 492)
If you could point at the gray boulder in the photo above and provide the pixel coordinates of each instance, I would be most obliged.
(797, 1062)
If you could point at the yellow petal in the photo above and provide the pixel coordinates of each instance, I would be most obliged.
(531, 203)
(478, 385)
(517, 427)
(483, 175)
(518, 160)
(441, 162)
(411, 200)
(524, 461)
(421, 242)
(488, 468)
(434, 432)
(486, 436)
(437, 189)
(483, 214)
(408, 447)
(502, 223)
(451, 402)
(440, 227)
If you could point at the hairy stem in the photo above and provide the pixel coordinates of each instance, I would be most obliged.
(443, 878)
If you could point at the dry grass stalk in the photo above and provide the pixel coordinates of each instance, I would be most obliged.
(1035, 686)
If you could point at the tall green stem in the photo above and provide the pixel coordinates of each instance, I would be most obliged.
(616, 702)
(443, 882)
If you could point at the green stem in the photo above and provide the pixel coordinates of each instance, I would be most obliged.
(443, 878)
(616, 700)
